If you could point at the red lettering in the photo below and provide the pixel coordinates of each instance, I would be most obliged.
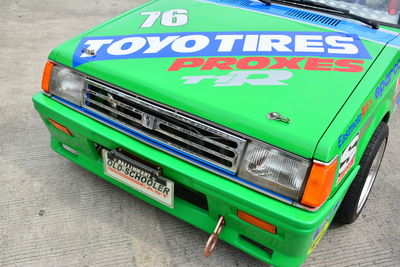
(349, 65)
(260, 63)
(222, 63)
(254, 63)
(324, 64)
(366, 107)
(292, 64)
(186, 63)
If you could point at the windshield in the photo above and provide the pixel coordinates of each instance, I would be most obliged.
(379, 10)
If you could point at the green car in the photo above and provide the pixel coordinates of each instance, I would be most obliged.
(257, 121)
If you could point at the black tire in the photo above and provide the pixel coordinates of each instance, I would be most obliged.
(355, 199)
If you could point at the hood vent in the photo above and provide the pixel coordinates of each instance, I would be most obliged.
(303, 15)
(236, 2)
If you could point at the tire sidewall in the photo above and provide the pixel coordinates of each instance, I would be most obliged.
(347, 212)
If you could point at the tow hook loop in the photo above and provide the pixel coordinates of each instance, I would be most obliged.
(213, 239)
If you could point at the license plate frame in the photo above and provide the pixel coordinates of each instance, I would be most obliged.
(139, 176)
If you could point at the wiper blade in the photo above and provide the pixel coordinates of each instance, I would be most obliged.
(319, 5)
(342, 11)
(369, 22)
(266, 2)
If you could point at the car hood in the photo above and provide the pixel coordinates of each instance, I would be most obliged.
(233, 62)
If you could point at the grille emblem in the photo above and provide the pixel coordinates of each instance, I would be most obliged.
(112, 101)
(148, 121)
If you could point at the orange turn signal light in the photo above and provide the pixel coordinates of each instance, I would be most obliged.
(46, 76)
(257, 222)
(60, 127)
(319, 184)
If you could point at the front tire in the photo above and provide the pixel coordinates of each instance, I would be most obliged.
(359, 190)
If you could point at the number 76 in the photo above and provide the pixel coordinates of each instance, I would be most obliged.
(171, 18)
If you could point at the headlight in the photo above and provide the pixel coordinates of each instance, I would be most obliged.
(67, 84)
(274, 169)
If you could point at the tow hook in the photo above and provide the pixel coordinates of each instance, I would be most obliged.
(213, 239)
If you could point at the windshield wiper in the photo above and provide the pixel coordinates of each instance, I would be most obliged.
(267, 2)
(342, 11)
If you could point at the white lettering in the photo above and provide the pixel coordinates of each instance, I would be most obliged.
(309, 43)
(250, 43)
(272, 78)
(227, 42)
(136, 43)
(239, 78)
(196, 79)
(151, 19)
(175, 17)
(95, 45)
(274, 42)
(156, 45)
(199, 42)
(343, 48)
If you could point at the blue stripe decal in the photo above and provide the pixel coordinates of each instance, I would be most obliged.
(170, 149)
(365, 32)
(395, 42)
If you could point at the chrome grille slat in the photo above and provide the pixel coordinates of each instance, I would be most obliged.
(195, 145)
(207, 139)
(114, 111)
(165, 125)
(117, 102)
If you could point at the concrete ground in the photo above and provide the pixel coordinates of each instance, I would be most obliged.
(54, 213)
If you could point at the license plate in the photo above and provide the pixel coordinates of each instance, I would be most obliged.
(138, 176)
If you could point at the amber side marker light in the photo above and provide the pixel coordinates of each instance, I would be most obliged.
(46, 76)
(319, 184)
(60, 127)
(257, 222)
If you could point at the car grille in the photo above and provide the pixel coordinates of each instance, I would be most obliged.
(167, 126)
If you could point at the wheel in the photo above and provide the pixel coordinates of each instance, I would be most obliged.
(359, 190)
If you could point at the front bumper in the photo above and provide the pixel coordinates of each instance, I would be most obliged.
(296, 228)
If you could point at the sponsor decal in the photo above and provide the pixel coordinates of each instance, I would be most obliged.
(364, 110)
(257, 63)
(238, 78)
(256, 68)
(322, 229)
(378, 94)
(397, 93)
(348, 157)
(209, 44)
(386, 81)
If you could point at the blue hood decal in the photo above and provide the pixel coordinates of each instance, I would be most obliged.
(220, 44)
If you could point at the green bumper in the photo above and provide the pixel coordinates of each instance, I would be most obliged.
(296, 228)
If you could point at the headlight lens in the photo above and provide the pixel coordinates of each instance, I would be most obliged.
(274, 169)
(67, 84)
